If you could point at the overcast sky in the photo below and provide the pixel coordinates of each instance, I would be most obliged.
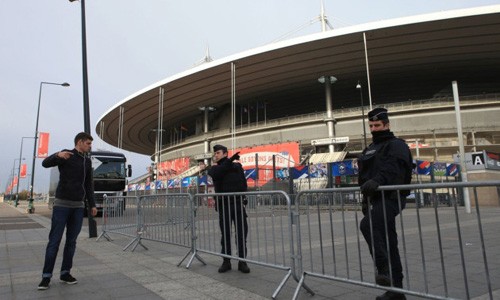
(132, 44)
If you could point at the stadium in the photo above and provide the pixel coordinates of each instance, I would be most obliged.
(302, 100)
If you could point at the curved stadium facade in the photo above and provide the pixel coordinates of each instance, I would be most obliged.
(271, 95)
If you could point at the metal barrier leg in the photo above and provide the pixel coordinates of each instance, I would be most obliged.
(105, 235)
(282, 283)
(194, 254)
(137, 241)
(302, 284)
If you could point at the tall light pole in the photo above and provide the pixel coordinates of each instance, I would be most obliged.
(19, 169)
(86, 109)
(31, 209)
(13, 172)
(330, 120)
(359, 87)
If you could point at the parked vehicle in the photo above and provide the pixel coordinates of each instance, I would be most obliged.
(110, 178)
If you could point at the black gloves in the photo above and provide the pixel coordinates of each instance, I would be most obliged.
(235, 156)
(364, 207)
(369, 187)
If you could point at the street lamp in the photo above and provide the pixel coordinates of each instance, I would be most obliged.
(31, 209)
(13, 172)
(19, 169)
(86, 110)
(330, 120)
(358, 86)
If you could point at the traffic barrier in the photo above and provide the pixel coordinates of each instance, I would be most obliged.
(270, 240)
(166, 218)
(448, 256)
(444, 249)
(120, 215)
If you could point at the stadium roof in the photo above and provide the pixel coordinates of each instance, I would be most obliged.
(413, 57)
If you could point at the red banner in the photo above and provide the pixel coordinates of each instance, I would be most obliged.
(43, 144)
(23, 171)
(286, 156)
(171, 168)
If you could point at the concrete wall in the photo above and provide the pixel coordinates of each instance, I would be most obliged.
(486, 196)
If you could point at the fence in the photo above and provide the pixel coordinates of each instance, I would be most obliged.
(444, 251)
(120, 216)
(270, 241)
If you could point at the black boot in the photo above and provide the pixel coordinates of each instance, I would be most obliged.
(382, 277)
(391, 296)
(226, 266)
(243, 267)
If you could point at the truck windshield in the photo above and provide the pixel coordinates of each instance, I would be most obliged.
(108, 168)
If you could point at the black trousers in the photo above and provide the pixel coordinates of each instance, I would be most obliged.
(381, 254)
(232, 211)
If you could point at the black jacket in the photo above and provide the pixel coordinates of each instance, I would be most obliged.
(387, 160)
(75, 177)
(228, 176)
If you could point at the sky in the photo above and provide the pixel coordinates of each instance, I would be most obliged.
(132, 44)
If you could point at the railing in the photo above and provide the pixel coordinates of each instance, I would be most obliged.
(445, 252)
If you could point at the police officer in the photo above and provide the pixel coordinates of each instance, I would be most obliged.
(386, 161)
(228, 176)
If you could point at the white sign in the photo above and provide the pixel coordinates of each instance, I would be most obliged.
(329, 141)
(203, 156)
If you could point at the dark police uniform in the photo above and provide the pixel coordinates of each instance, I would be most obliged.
(387, 161)
(228, 177)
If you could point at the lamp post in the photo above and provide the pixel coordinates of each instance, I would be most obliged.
(13, 172)
(330, 120)
(31, 209)
(358, 86)
(86, 109)
(19, 169)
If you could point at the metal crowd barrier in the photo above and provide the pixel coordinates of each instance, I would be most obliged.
(444, 250)
(166, 218)
(270, 240)
(120, 215)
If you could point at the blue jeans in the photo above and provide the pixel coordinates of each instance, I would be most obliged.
(71, 219)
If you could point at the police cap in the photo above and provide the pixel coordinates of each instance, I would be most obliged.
(378, 114)
(220, 147)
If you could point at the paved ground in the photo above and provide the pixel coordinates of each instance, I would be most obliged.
(104, 271)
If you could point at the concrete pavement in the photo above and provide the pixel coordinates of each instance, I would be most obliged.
(104, 271)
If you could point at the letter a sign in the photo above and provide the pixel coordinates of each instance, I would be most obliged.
(478, 159)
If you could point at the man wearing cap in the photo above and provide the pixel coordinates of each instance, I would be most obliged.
(386, 161)
(228, 177)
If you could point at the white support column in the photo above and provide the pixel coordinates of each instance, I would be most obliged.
(463, 168)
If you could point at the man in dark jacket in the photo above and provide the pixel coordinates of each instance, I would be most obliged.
(387, 161)
(74, 188)
(228, 177)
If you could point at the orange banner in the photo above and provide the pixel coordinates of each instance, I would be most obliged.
(286, 155)
(23, 171)
(43, 144)
(171, 168)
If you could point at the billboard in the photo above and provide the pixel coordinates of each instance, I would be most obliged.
(286, 156)
(171, 168)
